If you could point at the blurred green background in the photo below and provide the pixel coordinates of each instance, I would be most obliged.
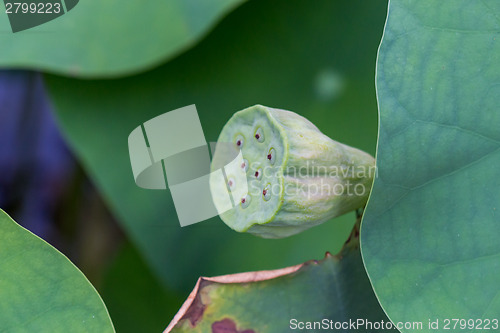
(316, 59)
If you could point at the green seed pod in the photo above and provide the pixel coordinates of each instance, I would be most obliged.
(289, 176)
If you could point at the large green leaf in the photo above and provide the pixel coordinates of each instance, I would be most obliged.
(430, 237)
(109, 38)
(333, 294)
(41, 290)
(262, 53)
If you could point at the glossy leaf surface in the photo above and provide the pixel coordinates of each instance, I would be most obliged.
(430, 233)
(110, 38)
(41, 290)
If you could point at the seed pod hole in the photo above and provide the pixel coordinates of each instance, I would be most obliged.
(258, 173)
(239, 141)
(266, 192)
(259, 135)
(230, 183)
(244, 165)
(271, 156)
(245, 201)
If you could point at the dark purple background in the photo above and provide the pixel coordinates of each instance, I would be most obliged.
(35, 164)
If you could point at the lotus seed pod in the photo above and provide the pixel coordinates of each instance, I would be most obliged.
(294, 177)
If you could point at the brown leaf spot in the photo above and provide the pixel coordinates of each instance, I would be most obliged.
(226, 325)
(193, 308)
(195, 311)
